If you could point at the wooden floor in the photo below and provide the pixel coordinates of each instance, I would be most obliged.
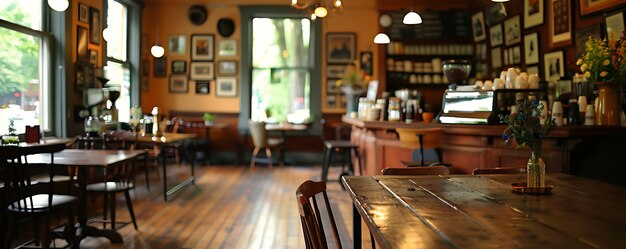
(230, 207)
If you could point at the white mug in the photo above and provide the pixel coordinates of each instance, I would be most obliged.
(557, 113)
(590, 114)
(582, 103)
(533, 81)
(478, 84)
(498, 84)
(488, 85)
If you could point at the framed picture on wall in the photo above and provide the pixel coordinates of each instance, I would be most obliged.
(531, 48)
(591, 6)
(160, 67)
(83, 13)
(203, 87)
(202, 47)
(179, 66)
(226, 87)
(614, 24)
(85, 76)
(532, 70)
(177, 44)
(82, 39)
(179, 83)
(495, 35)
(335, 71)
(554, 67)
(478, 26)
(512, 31)
(332, 87)
(340, 47)
(201, 70)
(94, 26)
(517, 54)
(496, 58)
(365, 59)
(331, 101)
(227, 48)
(581, 35)
(495, 13)
(227, 67)
(533, 13)
(93, 57)
(560, 15)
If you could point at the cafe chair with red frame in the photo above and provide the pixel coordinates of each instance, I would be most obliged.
(310, 216)
(428, 170)
(25, 198)
(504, 170)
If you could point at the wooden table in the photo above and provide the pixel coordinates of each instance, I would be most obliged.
(83, 159)
(194, 125)
(283, 129)
(166, 139)
(465, 211)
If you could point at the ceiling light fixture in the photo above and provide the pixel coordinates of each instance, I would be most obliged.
(317, 8)
(412, 18)
(381, 38)
(59, 5)
(500, 1)
(156, 50)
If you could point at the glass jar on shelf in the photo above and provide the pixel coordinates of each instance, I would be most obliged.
(394, 109)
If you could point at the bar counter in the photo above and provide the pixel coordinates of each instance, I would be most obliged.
(590, 151)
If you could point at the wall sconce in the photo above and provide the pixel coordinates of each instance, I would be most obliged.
(59, 5)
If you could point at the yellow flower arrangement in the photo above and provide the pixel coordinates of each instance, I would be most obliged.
(604, 61)
(353, 77)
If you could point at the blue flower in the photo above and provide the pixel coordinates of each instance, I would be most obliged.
(535, 102)
(505, 136)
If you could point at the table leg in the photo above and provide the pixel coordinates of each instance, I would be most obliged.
(184, 183)
(164, 163)
(84, 230)
(282, 148)
(356, 227)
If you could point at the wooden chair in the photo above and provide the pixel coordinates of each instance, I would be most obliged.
(429, 170)
(22, 197)
(310, 216)
(421, 139)
(116, 179)
(506, 170)
(261, 141)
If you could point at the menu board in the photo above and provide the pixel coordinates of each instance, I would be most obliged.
(435, 25)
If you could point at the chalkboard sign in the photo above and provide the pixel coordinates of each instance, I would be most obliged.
(450, 24)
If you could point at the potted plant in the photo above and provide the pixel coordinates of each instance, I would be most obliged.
(11, 138)
(208, 118)
(604, 64)
(352, 83)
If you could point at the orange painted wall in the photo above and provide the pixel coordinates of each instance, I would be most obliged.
(170, 16)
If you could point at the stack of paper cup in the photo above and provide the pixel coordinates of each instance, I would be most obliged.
(590, 114)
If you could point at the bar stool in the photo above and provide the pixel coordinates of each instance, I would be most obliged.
(343, 148)
(421, 139)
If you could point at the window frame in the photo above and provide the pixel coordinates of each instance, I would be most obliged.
(248, 13)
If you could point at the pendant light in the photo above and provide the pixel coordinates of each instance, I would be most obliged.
(59, 5)
(156, 50)
(412, 18)
(381, 38)
(500, 1)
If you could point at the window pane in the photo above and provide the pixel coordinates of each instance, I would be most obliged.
(279, 93)
(117, 21)
(20, 94)
(119, 79)
(280, 42)
(23, 12)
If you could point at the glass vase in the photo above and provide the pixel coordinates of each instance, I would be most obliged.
(536, 171)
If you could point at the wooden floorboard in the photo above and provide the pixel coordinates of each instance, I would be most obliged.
(230, 207)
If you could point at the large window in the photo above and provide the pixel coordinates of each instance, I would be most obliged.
(281, 69)
(117, 68)
(23, 87)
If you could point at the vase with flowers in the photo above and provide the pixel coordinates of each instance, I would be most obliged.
(604, 64)
(352, 83)
(526, 130)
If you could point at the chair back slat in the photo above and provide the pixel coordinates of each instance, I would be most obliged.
(311, 217)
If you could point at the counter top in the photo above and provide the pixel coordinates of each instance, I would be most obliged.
(487, 130)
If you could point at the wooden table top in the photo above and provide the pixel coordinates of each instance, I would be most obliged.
(286, 127)
(92, 158)
(165, 138)
(465, 211)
